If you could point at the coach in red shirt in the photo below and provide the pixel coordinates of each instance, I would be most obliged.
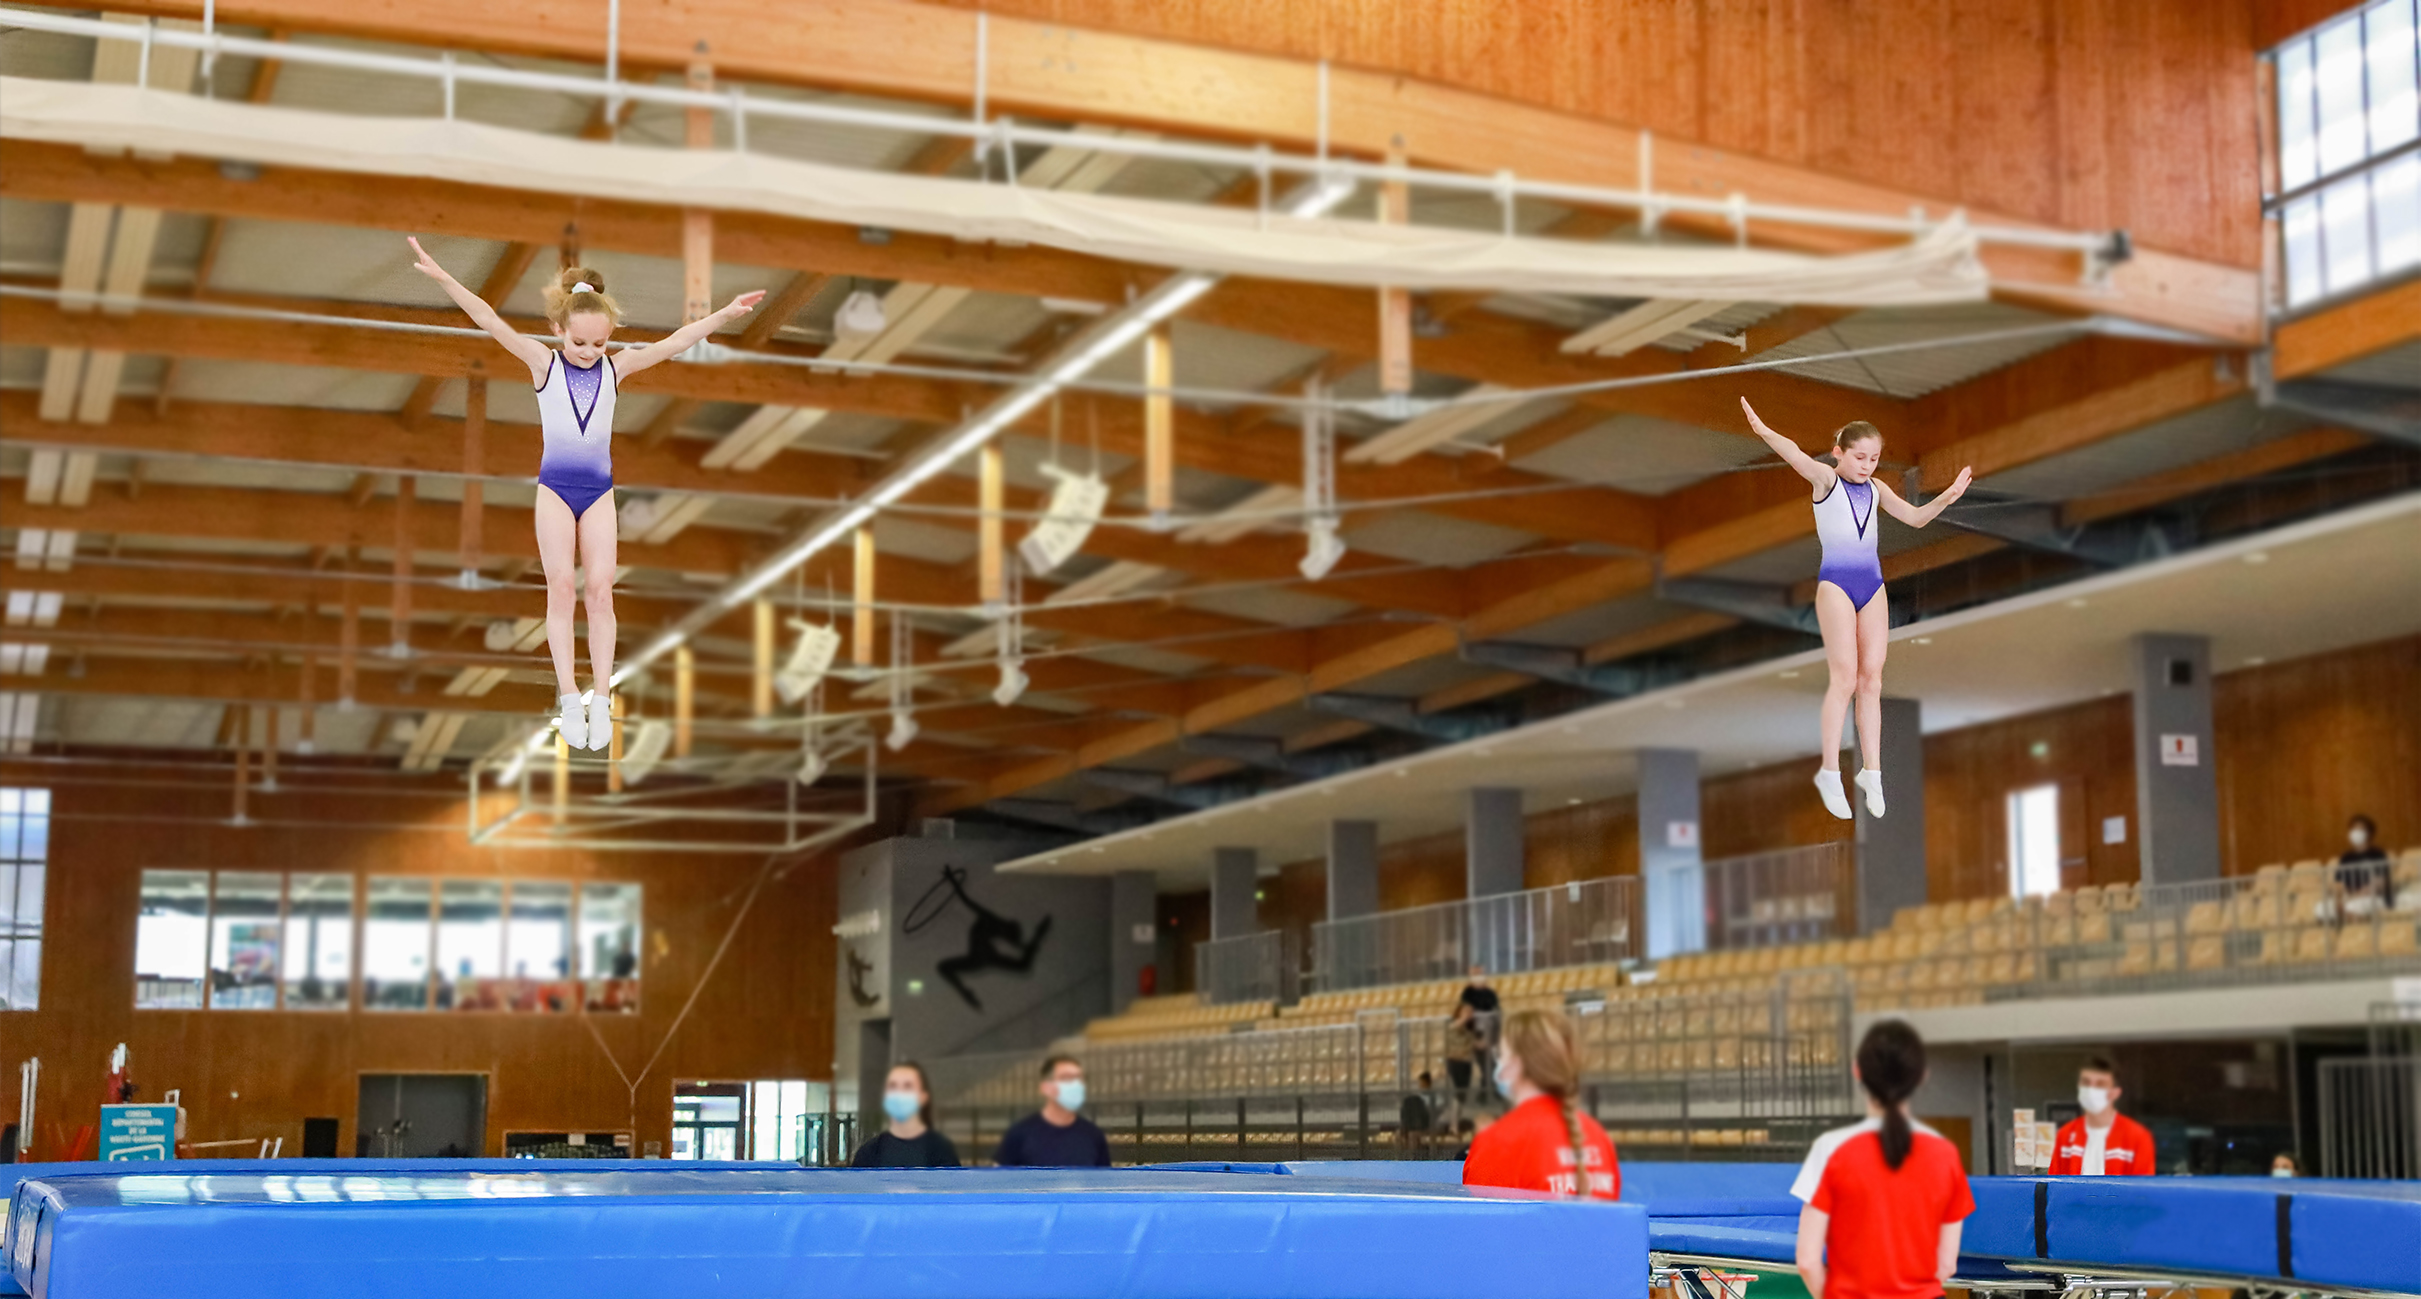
(1544, 1143)
(1886, 1199)
(2104, 1141)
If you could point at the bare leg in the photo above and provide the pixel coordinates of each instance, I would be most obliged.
(1840, 625)
(556, 531)
(1874, 639)
(597, 559)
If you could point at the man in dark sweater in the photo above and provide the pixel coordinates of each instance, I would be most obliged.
(1055, 1136)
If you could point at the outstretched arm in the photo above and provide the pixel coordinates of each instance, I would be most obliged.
(1917, 516)
(634, 359)
(532, 352)
(1813, 470)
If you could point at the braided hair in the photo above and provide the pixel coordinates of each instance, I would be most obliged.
(1549, 1048)
(1891, 1066)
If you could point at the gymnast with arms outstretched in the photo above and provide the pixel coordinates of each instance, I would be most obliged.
(576, 390)
(1852, 611)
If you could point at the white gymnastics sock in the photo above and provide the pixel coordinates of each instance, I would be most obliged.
(600, 719)
(1828, 784)
(1871, 781)
(573, 722)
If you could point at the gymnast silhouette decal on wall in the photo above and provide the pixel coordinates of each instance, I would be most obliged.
(994, 942)
(859, 968)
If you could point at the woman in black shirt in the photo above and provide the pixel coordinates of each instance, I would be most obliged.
(909, 1139)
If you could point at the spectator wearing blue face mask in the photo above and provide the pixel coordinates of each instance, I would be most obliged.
(1056, 1136)
(908, 1138)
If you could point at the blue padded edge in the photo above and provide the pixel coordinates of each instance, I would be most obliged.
(1425, 1172)
(1766, 1239)
(2342, 1233)
(1669, 1190)
(13, 1175)
(833, 1234)
(2357, 1233)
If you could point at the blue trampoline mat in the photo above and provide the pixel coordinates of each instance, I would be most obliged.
(177, 1233)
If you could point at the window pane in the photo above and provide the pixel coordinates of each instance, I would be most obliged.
(319, 942)
(2034, 841)
(2298, 149)
(243, 941)
(538, 946)
(2299, 229)
(719, 1143)
(2345, 232)
(470, 944)
(609, 945)
(172, 940)
(25, 974)
(2396, 213)
(2392, 50)
(33, 842)
(2338, 58)
(395, 945)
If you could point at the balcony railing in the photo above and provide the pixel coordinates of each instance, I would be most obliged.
(1596, 921)
(1254, 967)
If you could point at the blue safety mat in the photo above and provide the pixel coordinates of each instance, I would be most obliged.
(831, 1234)
(2364, 1235)
(1669, 1190)
(13, 1175)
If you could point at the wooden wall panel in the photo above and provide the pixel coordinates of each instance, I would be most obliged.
(244, 1074)
(2088, 113)
(2305, 744)
(1419, 872)
(2087, 750)
(1763, 809)
(1584, 842)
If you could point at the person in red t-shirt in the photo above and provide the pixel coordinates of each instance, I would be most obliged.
(1885, 1198)
(2103, 1141)
(1543, 1143)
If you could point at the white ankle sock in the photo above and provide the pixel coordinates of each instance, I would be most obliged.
(572, 720)
(600, 719)
(1828, 784)
(1871, 780)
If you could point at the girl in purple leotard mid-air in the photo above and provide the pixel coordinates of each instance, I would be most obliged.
(576, 391)
(1851, 609)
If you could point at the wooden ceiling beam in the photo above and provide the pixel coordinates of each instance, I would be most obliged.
(1051, 71)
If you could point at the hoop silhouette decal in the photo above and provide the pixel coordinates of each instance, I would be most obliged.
(994, 942)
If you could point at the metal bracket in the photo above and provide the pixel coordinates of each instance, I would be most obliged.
(2038, 527)
(1566, 666)
(1160, 789)
(1404, 715)
(2373, 408)
(1271, 755)
(1757, 602)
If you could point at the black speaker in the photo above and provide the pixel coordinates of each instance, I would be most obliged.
(319, 1138)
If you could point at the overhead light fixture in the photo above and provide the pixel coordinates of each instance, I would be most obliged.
(860, 316)
(1325, 550)
(1013, 682)
(1076, 506)
(812, 765)
(649, 741)
(903, 730)
(810, 658)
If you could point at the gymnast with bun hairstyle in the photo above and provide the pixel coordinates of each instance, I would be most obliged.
(576, 390)
(1852, 611)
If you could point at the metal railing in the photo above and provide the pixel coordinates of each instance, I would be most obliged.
(1598, 921)
(1728, 1072)
(1796, 895)
(2370, 1117)
(2276, 927)
(1253, 967)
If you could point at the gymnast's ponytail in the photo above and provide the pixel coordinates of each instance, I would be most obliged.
(1891, 1066)
(1549, 1048)
(579, 289)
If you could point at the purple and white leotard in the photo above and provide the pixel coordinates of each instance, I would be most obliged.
(576, 417)
(1845, 524)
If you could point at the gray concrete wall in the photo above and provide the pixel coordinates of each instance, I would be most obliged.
(2176, 780)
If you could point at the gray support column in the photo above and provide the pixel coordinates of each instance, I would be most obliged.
(1670, 867)
(1133, 942)
(1234, 910)
(2176, 785)
(1891, 851)
(1353, 869)
(1492, 839)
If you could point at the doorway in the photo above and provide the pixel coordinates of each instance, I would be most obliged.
(422, 1116)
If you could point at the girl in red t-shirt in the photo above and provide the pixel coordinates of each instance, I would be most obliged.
(1543, 1143)
(1885, 1198)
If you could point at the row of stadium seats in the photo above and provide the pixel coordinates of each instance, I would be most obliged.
(1182, 1015)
